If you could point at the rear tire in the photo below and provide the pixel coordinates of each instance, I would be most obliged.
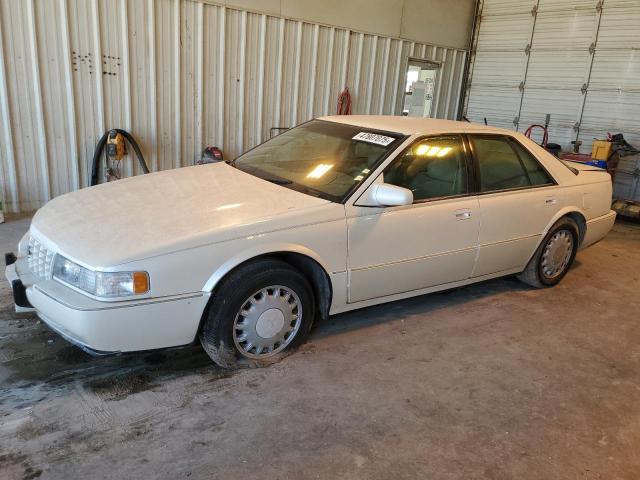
(554, 256)
(259, 314)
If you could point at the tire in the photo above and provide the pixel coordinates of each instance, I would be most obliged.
(252, 303)
(536, 274)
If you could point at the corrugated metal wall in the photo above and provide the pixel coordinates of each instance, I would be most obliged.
(178, 74)
(574, 59)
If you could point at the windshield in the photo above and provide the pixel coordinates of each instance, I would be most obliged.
(321, 158)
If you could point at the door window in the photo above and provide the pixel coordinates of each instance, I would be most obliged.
(431, 168)
(505, 164)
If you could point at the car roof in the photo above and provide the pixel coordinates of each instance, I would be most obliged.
(428, 126)
(412, 125)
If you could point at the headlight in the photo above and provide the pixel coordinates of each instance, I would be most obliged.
(100, 284)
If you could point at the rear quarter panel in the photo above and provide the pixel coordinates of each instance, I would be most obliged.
(589, 192)
(595, 193)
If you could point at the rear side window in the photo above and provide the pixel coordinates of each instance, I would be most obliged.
(505, 164)
(536, 173)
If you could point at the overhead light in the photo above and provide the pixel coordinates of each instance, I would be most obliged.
(358, 178)
(319, 170)
(422, 149)
(444, 151)
(433, 151)
(228, 206)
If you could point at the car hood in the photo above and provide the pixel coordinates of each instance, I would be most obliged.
(161, 212)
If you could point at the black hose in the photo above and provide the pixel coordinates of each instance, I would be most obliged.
(95, 165)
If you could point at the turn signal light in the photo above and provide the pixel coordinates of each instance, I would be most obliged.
(140, 282)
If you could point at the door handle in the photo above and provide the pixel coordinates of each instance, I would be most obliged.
(550, 201)
(463, 214)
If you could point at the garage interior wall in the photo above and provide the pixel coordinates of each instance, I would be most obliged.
(578, 60)
(179, 75)
(435, 22)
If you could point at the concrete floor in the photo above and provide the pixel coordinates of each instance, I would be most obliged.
(494, 381)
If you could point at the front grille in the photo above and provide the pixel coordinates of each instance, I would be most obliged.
(39, 259)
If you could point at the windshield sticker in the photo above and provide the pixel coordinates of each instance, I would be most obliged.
(374, 138)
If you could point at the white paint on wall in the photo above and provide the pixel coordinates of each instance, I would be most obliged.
(181, 74)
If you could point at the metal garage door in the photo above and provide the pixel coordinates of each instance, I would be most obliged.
(500, 62)
(613, 97)
(576, 60)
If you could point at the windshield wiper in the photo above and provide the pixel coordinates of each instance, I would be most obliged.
(278, 181)
(256, 172)
(284, 181)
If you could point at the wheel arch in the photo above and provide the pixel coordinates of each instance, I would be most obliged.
(580, 219)
(300, 258)
(575, 214)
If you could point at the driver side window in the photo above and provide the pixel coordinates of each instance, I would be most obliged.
(435, 167)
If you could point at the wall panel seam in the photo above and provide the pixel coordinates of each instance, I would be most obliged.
(10, 176)
(37, 93)
(72, 134)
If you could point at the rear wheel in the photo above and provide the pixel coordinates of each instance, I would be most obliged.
(260, 313)
(554, 256)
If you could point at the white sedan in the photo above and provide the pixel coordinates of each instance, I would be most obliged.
(336, 214)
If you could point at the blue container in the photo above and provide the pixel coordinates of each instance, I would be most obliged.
(597, 163)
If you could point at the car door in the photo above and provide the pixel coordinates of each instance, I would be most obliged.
(393, 250)
(518, 198)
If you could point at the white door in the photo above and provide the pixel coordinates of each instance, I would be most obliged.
(518, 198)
(420, 82)
(432, 242)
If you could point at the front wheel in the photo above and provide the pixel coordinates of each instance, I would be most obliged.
(261, 312)
(554, 256)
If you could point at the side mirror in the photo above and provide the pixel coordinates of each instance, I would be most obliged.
(387, 195)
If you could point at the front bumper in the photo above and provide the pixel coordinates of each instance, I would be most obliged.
(18, 288)
(111, 327)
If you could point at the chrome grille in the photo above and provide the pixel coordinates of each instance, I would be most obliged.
(39, 259)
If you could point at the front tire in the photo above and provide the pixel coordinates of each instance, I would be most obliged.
(554, 256)
(260, 313)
